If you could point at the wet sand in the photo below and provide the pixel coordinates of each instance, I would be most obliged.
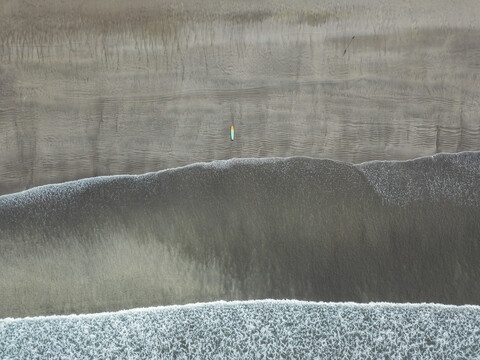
(90, 89)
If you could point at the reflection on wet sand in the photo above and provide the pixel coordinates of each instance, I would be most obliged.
(97, 89)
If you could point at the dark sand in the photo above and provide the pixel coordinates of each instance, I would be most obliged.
(92, 89)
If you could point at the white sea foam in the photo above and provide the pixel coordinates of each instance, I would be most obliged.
(251, 329)
(453, 176)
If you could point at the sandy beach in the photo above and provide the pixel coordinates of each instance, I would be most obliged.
(91, 89)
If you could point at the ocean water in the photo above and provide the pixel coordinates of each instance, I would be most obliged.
(297, 228)
(353, 178)
(252, 330)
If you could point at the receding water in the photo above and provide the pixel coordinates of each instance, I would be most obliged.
(297, 228)
(312, 203)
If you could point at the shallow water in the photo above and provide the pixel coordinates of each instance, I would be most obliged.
(89, 88)
(277, 228)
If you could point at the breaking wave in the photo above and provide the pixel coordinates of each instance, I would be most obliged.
(252, 330)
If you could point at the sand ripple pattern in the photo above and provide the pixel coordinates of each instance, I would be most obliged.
(121, 97)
